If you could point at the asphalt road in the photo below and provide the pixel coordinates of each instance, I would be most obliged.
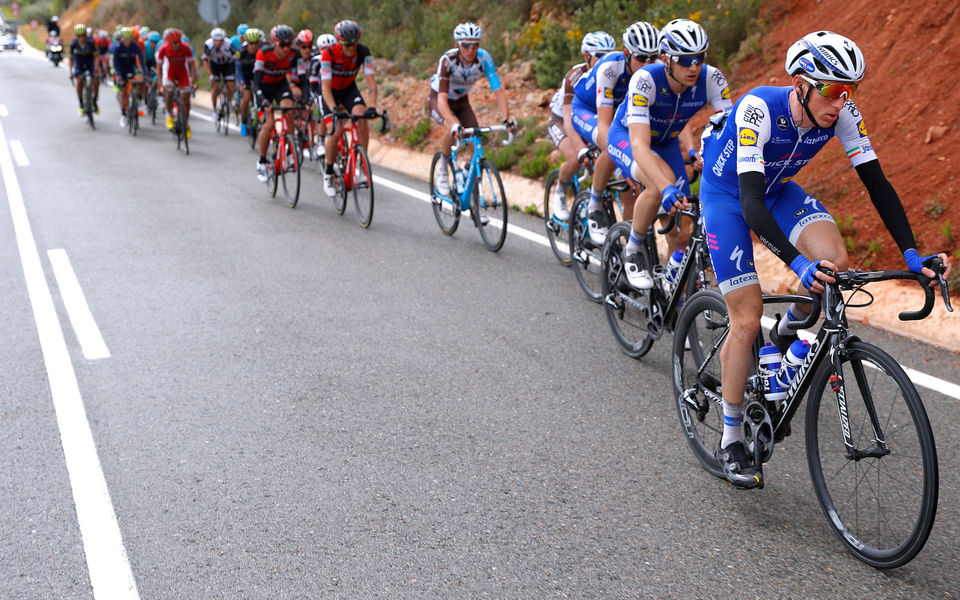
(295, 407)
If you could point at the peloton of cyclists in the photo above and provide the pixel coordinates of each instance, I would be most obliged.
(747, 186)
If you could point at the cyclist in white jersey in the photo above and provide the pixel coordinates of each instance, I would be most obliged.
(593, 47)
(220, 58)
(747, 185)
(458, 70)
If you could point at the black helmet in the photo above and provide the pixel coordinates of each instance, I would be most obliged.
(282, 34)
(347, 32)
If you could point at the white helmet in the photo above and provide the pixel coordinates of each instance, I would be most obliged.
(217, 33)
(597, 42)
(326, 40)
(467, 31)
(641, 38)
(826, 56)
(683, 37)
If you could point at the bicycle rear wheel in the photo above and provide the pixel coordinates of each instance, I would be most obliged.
(446, 207)
(88, 102)
(289, 168)
(362, 186)
(556, 229)
(880, 497)
(489, 206)
(133, 114)
(627, 309)
(585, 255)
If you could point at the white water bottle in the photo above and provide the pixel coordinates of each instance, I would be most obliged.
(461, 178)
(673, 266)
(791, 362)
(770, 359)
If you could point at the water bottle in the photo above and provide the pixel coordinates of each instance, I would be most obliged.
(770, 359)
(461, 178)
(673, 266)
(791, 362)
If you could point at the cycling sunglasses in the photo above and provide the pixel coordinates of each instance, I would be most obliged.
(469, 45)
(646, 57)
(689, 59)
(832, 90)
(285, 44)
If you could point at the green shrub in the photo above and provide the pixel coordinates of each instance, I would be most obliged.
(418, 136)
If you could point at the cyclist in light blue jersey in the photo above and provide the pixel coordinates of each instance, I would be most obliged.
(596, 97)
(747, 185)
(644, 139)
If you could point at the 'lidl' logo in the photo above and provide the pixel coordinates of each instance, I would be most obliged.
(639, 100)
(862, 129)
(748, 137)
(725, 94)
(608, 93)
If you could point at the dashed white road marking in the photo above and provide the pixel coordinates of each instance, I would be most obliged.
(18, 154)
(85, 327)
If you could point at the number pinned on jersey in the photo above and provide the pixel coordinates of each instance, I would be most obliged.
(748, 137)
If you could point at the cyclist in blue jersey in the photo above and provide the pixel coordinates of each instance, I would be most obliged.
(645, 137)
(83, 59)
(747, 185)
(458, 70)
(127, 64)
(150, 46)
(596, 98)
(595, 45)
(236, 40)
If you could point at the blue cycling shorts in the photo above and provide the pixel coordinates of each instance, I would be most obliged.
(618, 147)
(728, 236)
(584, 120)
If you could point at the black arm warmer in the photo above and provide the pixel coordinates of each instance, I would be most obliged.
(760, 220)
(887, 203)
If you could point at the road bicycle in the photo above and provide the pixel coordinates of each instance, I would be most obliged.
(180, 120)
(557, 228)
(638, 318)
(151, 100)
(284, 158)
(477, 188)
(308, 132)
(133, 107)
(221, 108)
(585, 253)
(869, 445)
(352, 169)
(87, 95)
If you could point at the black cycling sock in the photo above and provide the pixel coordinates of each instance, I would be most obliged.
(329, 169)
(263, 160)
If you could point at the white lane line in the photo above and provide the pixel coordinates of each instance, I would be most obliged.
(212, 118)
(3, 111)
(88, 334)
(515, 230)
(18, 154)
(922, 379)
(110, 573)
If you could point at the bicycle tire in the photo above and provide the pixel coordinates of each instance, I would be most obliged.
(585, 257)
(272, 174)
(133, 114)
(701, 329)
(833, 472)
(289, 169)
(362, 186)
(445, 210)
(88, 102)
(627, 309)
(489, 201)
(556, 229)
(254, 129)
(224, 111)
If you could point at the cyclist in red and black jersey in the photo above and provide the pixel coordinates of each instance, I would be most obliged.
(339, 66)
(273, 80)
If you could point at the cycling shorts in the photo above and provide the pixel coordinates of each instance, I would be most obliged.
(585, 120)
(728, 236)
(123, 77)
(348, 97)
(556, 130)
(460, 108)
(275, 92)
(80, 68)
(180, 77)
(227, 70)
(618, 147)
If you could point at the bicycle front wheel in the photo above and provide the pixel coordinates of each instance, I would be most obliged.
(701, 331)
(362, 186)
(628, 310)
(289, 169)
(585, 256)
(880, 496)
(133, 114)
(489, 206)
(446, 207)
(88, 102)
(556, 229)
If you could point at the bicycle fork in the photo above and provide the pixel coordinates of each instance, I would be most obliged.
(880, 448)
